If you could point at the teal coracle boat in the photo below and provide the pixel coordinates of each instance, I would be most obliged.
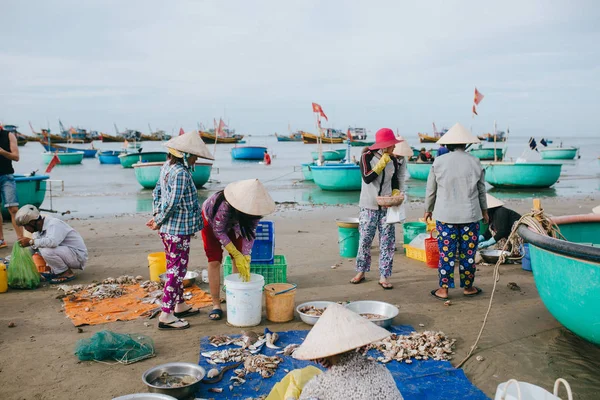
(361, 143)
(330, 155)
(510, 175)
(567, 273)
(419, 171)
(337, 177)
(30, 190)
(307, 172)
(127, 160)
(487, 153)
(147, 174)
(559, 153)
(65, 158)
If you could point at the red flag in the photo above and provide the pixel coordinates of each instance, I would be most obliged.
(474, 110)
(181, 132)
(349, 135)
(478, 97)
(220, 129)
(318, 109)
(55, 160)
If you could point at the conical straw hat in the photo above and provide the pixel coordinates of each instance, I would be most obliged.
(458, 134)
(493, 202)
(403, 149)
(250, 197)
(338, 330)
(190, 143)
(596, 210)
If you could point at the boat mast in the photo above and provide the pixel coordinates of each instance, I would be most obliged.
(495, 155)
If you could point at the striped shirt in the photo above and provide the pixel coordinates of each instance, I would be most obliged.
(175, 201)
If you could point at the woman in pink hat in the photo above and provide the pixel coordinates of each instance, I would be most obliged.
(382, 176)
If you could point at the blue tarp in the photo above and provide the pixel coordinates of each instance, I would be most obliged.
(421, 380)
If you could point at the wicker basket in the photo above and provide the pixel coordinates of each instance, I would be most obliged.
(390, 201)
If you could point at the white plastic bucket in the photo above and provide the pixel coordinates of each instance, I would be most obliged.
(244, 300)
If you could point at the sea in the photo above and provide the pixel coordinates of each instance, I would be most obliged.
(94, 189)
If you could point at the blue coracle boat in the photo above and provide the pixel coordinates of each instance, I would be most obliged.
(110, 157)
(52, 148)
(248, 152)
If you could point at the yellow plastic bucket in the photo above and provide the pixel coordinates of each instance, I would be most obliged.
(3, 278)
(280, 301)
(157, 264)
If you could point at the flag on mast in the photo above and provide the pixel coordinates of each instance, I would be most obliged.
(220, 129)
(478, 97)
(318, 109)
(55, 160)
(475, 110)
(181, 132)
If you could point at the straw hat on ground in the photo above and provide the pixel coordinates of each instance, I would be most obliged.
(338, 330)
(189, 143)
(26, 214)
(596, 210)
(250, 197)
(403, 149)
(384, 138)
(493, 202)
(458, 134)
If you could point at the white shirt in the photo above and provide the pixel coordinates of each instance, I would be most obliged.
(56, 232)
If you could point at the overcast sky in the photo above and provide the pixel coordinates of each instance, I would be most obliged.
(260, 64)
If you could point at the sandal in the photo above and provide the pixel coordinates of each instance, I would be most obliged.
(357, 281)
(187, 313)
(216, 314)
(473, 294)
(386, 285)
(438, 297)
(58, 279)
(165, 326)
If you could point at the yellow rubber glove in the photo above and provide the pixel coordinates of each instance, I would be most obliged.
(242, 265)
(395, 192)
(385, 158)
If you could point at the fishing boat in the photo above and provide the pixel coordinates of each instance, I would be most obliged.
(486, 153)
(361, 143)
(65, 158)
(74, 135)
(490, 137)
(128, 159)
(292, 137)
(30, 190)
(328, 135)
(230, 136)
(248, 153)
(148, 173)
(110, 157)
(106, 138)
(337, 177)
(426, 138)
(357, 137)
(51, 147)
(418, 171)
(566, 272)
(521, 175)
(559, 153)
(21, 139)
(330, 155)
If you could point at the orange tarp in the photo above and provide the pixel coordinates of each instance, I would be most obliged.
(124, 308)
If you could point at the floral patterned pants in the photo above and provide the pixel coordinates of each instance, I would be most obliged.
(369, 221)
(457, 241)
(177, 250)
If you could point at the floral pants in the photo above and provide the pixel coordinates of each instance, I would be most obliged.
(369, 221)
(457, 242)
(177, 250)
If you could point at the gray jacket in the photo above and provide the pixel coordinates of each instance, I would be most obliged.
(373, 185)
(456, 189)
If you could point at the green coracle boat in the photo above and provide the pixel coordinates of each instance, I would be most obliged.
(337, 177)
(330, 155)
(148, 173)
(307, 171)
(127, 160)
(419, 171)
(559, 153)
(567, 273)
(487, 153)
(521, 175)
(65, 158)
(30, 190)
(361, 143)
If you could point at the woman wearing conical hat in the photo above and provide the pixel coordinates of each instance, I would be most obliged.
(176, 215)
(333, 342)
(456, 199)
(502, 221)
(230, 219)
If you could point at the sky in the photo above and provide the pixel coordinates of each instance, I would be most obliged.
(260, 64)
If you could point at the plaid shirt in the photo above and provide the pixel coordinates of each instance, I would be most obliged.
(175, 201)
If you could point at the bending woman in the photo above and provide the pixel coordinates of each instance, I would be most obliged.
(230, 218)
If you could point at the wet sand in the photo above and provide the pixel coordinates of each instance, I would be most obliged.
(522, 340)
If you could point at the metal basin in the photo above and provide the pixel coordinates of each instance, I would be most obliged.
(188, 280)
(312, 319)
(145, 396)
(492, 256)
(375, 307)
(176, 368)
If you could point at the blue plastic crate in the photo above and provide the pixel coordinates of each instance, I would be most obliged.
(263, 250)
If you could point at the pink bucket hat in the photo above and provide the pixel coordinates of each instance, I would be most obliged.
(384, 138)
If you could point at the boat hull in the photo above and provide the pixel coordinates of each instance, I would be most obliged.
(360, 143)
(522, 175)
(148, 174)
(65, 158)
(340, 177)
(30, 190)
(487, 154)
(567, 274)
(309, 138)
(87, 153)
(248, 153)
(559, 153)
(427, 139)
(127, 160)
(210, 138)
(307, 171)
(419, 171)
(330, 155)
(111, 139)
(292, 138)
(109, 157)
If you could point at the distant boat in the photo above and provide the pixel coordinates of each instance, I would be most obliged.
(21, 139)
(230, 136)
(330, 155)
(75, 135)
(248, 152)
(489, 137)
(46, 134)
(106, 138)
(425, 138)
(65, 158)
(486, 153)
(293, 137)
(87, 153)
(331, 136)
(356, 134)
(558, 153)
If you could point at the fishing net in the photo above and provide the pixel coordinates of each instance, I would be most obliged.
(22, 272)
(120, 347)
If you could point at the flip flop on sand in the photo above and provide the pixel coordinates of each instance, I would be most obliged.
(172, 326)
(357, 281)
(61, 279)
(473, 294)
(187, 313)
(438, 297)
(216, 314)
(386, 285)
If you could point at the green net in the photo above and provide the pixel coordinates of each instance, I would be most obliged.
(22, 272)
(120, 347)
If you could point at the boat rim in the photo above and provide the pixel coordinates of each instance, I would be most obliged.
(559, 148)
(160, 163)
(142, 153)
(63, 153)
(508, 163)
(340, 166)
(21, 178)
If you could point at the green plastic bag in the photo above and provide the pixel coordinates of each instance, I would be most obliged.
(22, 272)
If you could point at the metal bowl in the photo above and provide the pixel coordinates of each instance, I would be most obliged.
(312, 319)
(145, 396)
(175, 368)
(375, 307)
(188, 280)
(492, 256)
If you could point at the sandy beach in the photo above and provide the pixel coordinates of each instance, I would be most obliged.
(522, 340)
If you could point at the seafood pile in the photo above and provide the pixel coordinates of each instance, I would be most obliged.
(417, 345)
(373, 316)
(174, 381)
(262, 364)
(249, 340)
(111, 288)
(312, 310)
